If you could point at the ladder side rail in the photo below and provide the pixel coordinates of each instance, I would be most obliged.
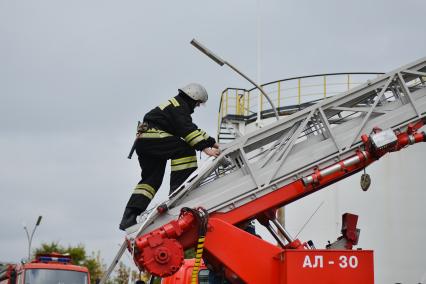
(416, 73)
(356, 109)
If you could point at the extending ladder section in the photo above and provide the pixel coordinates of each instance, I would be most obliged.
(291, 148)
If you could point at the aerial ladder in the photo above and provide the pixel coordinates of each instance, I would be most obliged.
(274, 166)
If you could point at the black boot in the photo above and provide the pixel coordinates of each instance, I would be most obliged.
(129, 218)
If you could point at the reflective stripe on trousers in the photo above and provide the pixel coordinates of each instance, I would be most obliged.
(184, 163)
(145, 189)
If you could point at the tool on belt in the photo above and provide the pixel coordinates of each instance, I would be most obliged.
(141, 128)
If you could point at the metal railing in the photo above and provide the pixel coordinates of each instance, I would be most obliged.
(292, 92)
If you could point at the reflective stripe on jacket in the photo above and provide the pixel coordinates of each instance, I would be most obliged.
(174, 117)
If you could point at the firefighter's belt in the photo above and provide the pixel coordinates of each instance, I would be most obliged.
(154, 133)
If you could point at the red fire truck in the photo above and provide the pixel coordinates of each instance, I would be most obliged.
(272, 167)
(51, 268)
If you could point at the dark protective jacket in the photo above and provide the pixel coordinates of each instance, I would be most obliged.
(174, 117)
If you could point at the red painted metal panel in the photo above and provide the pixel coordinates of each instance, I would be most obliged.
(257, 261)
(329, 266)
(249, 257)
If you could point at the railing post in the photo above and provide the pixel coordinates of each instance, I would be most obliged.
(223, 104)
(325, 86)
(248, 102)
(298, 91)
(237, 103)
(349, 81)
(219, 116)
(279, 94)
(226, 109)
(243, 97)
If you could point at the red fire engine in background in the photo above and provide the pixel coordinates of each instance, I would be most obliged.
(51, 268)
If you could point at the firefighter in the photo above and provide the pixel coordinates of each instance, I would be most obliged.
(168, 133)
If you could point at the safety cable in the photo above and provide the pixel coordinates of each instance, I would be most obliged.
(202, 217)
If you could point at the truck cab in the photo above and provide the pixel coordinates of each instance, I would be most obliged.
(51, 268)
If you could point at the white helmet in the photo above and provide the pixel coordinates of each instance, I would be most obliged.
(196, 92)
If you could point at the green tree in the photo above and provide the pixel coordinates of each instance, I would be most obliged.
(122, 274)
(79, 257)
(95, 265)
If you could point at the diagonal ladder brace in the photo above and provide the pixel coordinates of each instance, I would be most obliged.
(327, 126)
(407, 92)
(279, 144)
(281, 157)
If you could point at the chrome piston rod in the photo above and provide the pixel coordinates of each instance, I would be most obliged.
(340, 166)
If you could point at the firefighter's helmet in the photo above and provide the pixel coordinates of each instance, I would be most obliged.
(196, 92)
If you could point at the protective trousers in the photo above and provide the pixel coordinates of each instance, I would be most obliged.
(154, 148)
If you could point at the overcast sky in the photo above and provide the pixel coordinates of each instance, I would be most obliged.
(75, 76)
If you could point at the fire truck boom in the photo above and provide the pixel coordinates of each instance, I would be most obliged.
(278, 164)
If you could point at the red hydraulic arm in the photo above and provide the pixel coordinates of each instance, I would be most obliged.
(246, 258)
